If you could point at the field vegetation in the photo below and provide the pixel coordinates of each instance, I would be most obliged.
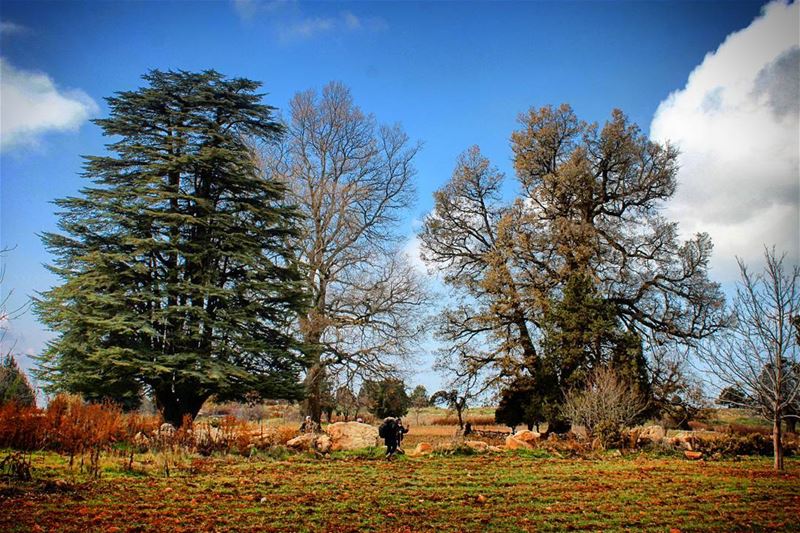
(89, 467)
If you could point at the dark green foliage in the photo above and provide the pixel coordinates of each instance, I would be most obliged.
(732, 397)
(386, 398)
(14, 384)
(177, 276)
(419, 397)
(582, 332)
(520, 403)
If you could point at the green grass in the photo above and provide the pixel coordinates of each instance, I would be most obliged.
(523, 491)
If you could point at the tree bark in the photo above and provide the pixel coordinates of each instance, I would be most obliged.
(776, 440)
(314, 379)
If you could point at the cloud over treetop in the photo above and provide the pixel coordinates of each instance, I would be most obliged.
(737, 125)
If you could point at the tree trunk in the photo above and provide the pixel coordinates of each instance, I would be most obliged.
(175, 406)
(791, 425)
(776, 441)
(558, 425)
(314, 378)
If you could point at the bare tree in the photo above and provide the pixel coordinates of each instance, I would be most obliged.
(353, 180)
(758, 354)
(605, 406)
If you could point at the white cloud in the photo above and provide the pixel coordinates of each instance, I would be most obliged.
(31, 105)
(10, 28)
(309, 27)
(248, 9)
(411, 249)
(737, 124)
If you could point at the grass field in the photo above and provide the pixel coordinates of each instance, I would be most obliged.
(352, 491)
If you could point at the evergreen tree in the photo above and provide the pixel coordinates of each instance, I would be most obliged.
(387, 397)
(14, 384)
(177, 276)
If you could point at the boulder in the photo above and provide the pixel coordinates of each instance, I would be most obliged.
(423, 448)
(477, 445)
(683, 439)
(528, 436)
(496, 449)
(513, 443)
(446, 446)
(694, 456)
(323, 444)
(304, 442)
(651, 434)
(351, 436)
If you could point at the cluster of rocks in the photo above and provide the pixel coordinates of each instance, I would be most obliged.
(355, 435)
(337, 437)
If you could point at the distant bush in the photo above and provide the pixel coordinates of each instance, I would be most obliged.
(474, 420)
(731, 445)
(744, 429)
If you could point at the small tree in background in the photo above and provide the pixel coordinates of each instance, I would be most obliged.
(605, 407)
(387, 397)
(419, 400)
(14, 384)
(346, 402)
(759, 353)
(452, 399)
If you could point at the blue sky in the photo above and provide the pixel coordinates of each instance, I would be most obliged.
(454, 74)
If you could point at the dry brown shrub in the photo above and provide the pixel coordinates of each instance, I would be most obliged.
(485, 420)
(22, 427)
(743, 429)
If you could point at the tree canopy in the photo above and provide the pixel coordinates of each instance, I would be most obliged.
(177, 276)
(579, 270)
(387, 397)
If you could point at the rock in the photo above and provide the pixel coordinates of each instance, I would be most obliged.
(480, 498)
(694, 456)
(166, 431)
(651, 434)
(527, 436)
(477, 445)
(496, 449)
(579, 432)
(304, 442)
(423, 448)
(513, 443)
(445, 446)
(351, 436)
(684, 440)
(323, 444)
(140, 439)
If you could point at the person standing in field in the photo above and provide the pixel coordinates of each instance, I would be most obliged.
(391, 431)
